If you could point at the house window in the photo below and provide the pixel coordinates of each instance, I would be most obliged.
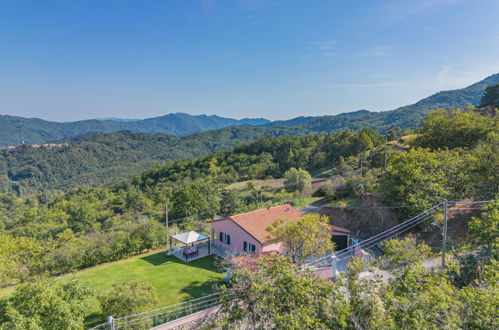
(248, 247)
(225, 238)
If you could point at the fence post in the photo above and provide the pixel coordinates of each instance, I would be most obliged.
(110, 321)
(333, 267)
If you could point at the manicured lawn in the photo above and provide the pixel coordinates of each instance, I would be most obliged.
(174, 280)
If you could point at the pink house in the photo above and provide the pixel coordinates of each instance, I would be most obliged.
(247, 232)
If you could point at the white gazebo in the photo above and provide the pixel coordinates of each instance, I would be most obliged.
(191, 240)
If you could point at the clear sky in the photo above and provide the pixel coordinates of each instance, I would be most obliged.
(78, 59)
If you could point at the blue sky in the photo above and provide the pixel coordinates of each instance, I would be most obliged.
(78, 59)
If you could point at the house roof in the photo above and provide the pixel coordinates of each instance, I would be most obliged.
(189, 237)
(256, 222)
(340, 229)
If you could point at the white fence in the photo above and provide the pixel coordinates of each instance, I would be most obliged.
(155, 317)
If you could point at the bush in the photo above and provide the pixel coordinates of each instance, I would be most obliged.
(126, 298)
(297, 180)
(322, 191)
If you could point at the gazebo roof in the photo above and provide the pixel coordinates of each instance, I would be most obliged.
(189, 237)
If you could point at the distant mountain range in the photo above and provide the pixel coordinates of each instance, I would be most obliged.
(14, 129)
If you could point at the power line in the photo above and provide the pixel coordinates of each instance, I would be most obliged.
(376, 239)
(394, 231)
(372, 207)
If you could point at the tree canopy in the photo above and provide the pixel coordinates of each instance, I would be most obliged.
(490, 97)
(307, 237)
(280, 296)
(297, 180)
(127, 298)
(47, 304)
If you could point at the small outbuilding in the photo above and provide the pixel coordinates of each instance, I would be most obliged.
(194, 243)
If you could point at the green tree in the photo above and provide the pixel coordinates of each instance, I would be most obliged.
(418, 298)
(48, 304)
(82, 216)
(297, 180)
(126, 298)
(307, 237)
(14, 268)
(405, 251)
(452, 129)
(490, 97)
(232, 202)
(421, 178)
(367, 309)
(281, 296)
(481, 301)
(195, 199)
(486, 228)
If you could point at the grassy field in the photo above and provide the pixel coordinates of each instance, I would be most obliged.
(174, 280)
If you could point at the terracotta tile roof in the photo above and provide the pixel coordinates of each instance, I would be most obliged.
(256, 222)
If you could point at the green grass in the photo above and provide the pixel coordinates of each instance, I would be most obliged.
(302, 201)
(345, 202)
(174, 280)
(324, 172)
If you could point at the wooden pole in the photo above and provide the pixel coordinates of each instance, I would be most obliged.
(386, 145)
(166, 221)
(444, 233)
(361, 164)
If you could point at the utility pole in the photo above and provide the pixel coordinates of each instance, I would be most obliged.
(386, 146)
(361, 165)
(166, 220)
(444, 233)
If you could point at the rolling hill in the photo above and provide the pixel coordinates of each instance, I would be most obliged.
(404, 117)
(97, 159)
(14, 130)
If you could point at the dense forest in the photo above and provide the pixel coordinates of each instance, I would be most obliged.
(97, 159)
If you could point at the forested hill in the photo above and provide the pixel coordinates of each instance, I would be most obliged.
(404, 117)
(96, 159)
(14, 130)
